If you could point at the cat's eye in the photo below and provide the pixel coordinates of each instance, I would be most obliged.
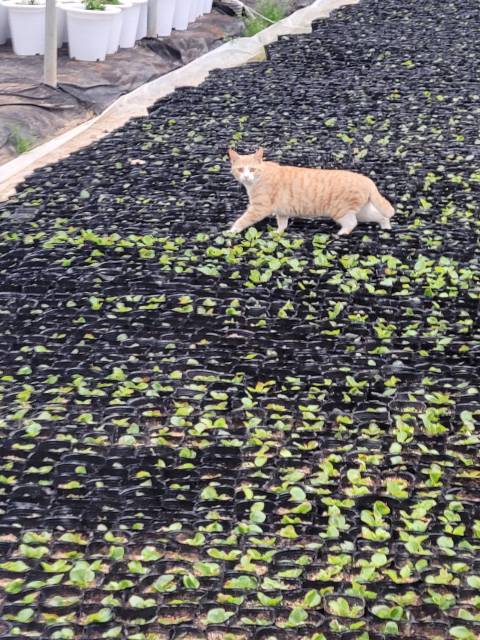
(241, 170)
(252, 170)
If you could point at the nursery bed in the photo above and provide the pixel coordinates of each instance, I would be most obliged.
(261, 436)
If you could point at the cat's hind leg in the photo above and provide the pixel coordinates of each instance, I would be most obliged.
(282, 223)
(369, 213)
(347, 223)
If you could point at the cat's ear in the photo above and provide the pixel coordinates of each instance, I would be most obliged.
(233, 155)
(259, 154)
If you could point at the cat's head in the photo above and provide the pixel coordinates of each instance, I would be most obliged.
(247, 169)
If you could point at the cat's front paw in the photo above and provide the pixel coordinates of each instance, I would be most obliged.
(234, 228)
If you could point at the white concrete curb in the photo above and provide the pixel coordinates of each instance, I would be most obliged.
(136, 103)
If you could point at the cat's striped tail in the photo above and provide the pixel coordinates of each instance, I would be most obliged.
(381, 203)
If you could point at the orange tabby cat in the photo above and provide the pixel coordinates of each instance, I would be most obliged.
(289, 192)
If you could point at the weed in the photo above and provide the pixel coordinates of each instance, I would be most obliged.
(272, 10)
(19, 141)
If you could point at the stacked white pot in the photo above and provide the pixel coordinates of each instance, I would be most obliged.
(4, 27)
(165, 15)
(131, 19)
(26, 26)
(89, 31)
(116, 28)
(181, 15)
(92, 34)
(142, 21)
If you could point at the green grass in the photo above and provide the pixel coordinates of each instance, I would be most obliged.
(19, 141)
(271, 9)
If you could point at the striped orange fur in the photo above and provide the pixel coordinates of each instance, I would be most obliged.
(295, 192)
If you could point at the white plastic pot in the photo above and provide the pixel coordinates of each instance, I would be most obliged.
(4, 28)
(193, 11)
(62, 18)
(89, 31)
(115, 31)
(61, 25)
(198, 8)
(131, 17)
(181, 15)
(142, 21)
(165, 14)
(207, 6)
(27, 27)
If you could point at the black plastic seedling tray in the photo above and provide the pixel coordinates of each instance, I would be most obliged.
(259, 437)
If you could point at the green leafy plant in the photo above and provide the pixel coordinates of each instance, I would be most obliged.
(344, 608)
(141, 603)
(94, 5)
(462, 633)
(397, 488)
(218, 616)
(270, 12)
(19, 140)
(101, 616)
(386, 612)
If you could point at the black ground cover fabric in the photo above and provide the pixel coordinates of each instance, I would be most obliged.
(32, 112)
(261, 436)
